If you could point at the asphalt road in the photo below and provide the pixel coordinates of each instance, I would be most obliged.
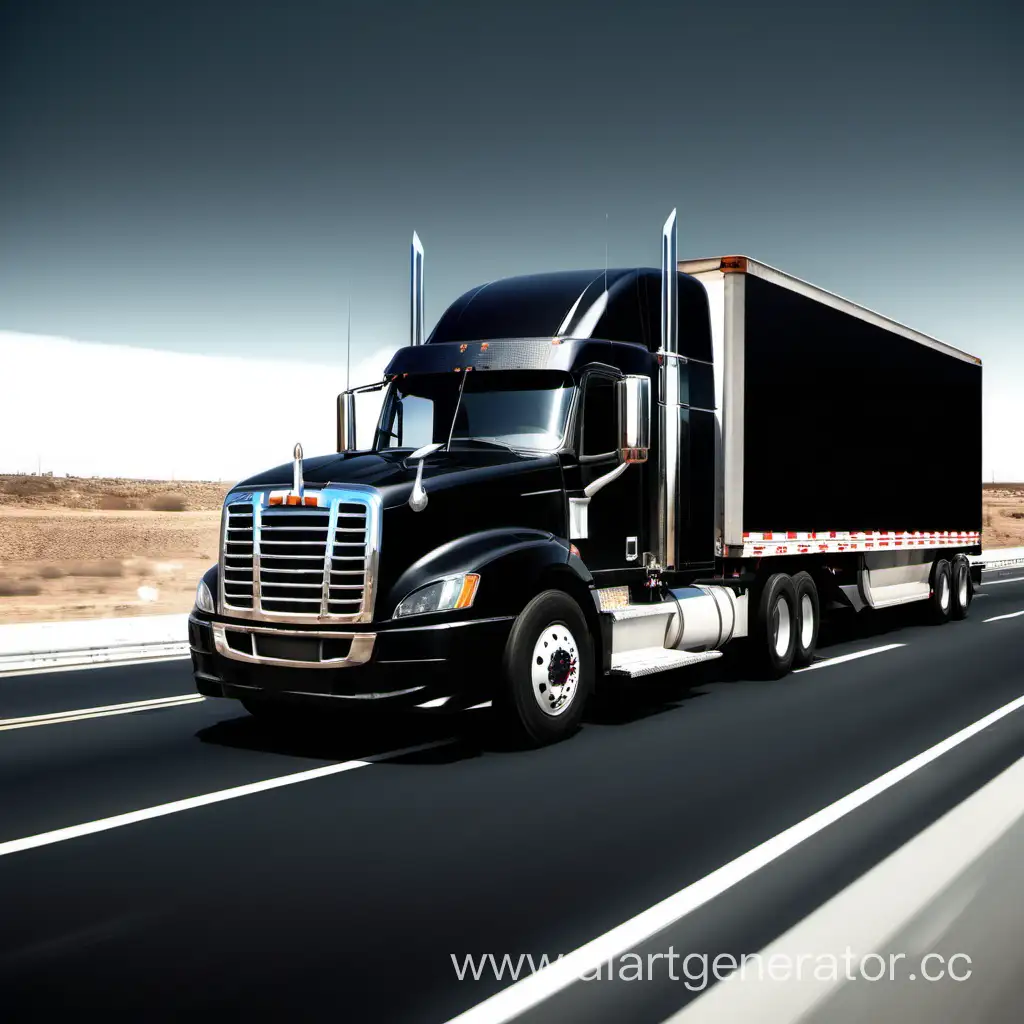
(348, 893)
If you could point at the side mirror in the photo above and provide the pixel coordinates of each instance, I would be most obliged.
(346, 421)
(633, 396)
(418, 496)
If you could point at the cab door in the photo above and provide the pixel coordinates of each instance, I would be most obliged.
(615, 517)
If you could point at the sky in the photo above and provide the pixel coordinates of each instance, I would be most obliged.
(228, 178)
(164, 415)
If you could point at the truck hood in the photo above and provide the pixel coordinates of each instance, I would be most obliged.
(393, 475)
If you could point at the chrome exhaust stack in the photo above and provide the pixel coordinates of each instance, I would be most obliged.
(416, 292)
(668, 401)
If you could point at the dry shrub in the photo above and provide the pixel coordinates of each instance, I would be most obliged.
(116, 502)
(19, 588)
(166, 503)
(51, 572)
(27, 486)
(106, 570)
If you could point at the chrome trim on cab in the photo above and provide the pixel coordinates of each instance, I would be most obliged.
(359, 653)
(347, 562)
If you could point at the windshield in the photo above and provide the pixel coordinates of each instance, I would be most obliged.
(519, 409)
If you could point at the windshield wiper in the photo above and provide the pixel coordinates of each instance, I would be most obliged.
(455, 414)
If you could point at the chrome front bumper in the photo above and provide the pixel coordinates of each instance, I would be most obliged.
(359, 653)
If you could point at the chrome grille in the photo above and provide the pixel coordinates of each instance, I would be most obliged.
(293, 545)
(346, 580)
(237, 560)
(293, 562)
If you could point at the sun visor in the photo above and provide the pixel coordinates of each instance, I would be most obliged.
(505, 354)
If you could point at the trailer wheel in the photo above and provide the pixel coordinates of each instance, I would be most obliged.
(775, 629)
(962, 587)
(548, 670)
(808, 618)
(940, 603)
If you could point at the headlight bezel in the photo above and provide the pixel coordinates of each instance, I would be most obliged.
(204, 598)
(455, 592)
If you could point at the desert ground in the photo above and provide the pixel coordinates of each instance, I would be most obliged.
(1002, 515)
(74, 548)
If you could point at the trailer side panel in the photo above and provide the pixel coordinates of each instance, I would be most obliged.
(850, 427)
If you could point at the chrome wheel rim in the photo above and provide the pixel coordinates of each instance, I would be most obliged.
(806, 621)
(944, 592)
(555, 669)
(782, 627)
(963, 587)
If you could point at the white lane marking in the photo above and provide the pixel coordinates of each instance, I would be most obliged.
(996, 618)
(839, 659)
(15, 672)
(868, 914)
(160, 810)
(995, 583)
(526, 993)
(101, 712)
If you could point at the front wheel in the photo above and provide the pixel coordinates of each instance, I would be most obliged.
(548, 669)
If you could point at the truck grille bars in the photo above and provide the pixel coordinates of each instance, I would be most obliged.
(296, 563)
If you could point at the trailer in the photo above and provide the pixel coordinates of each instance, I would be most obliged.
(595, 476)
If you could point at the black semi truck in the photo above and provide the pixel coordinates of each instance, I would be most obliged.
(599, 475)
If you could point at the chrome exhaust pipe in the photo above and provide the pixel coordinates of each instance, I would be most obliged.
(668, 400)
(416, 292)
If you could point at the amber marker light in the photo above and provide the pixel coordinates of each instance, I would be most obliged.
(469, 584)
(733, 265)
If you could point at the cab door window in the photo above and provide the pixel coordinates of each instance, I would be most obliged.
(599, 417)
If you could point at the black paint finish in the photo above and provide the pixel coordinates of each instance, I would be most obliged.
(852, 427)
(565, 304)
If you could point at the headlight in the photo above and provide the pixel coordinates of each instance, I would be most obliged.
(204, 599)
(443, 596)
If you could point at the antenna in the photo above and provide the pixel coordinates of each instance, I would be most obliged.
(348, 348)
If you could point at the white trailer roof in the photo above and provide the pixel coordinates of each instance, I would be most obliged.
(744, 264)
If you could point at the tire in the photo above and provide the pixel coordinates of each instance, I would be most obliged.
(940, 601)
(808, 619)
(775, 633)
(547, 670)
(962, 587)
